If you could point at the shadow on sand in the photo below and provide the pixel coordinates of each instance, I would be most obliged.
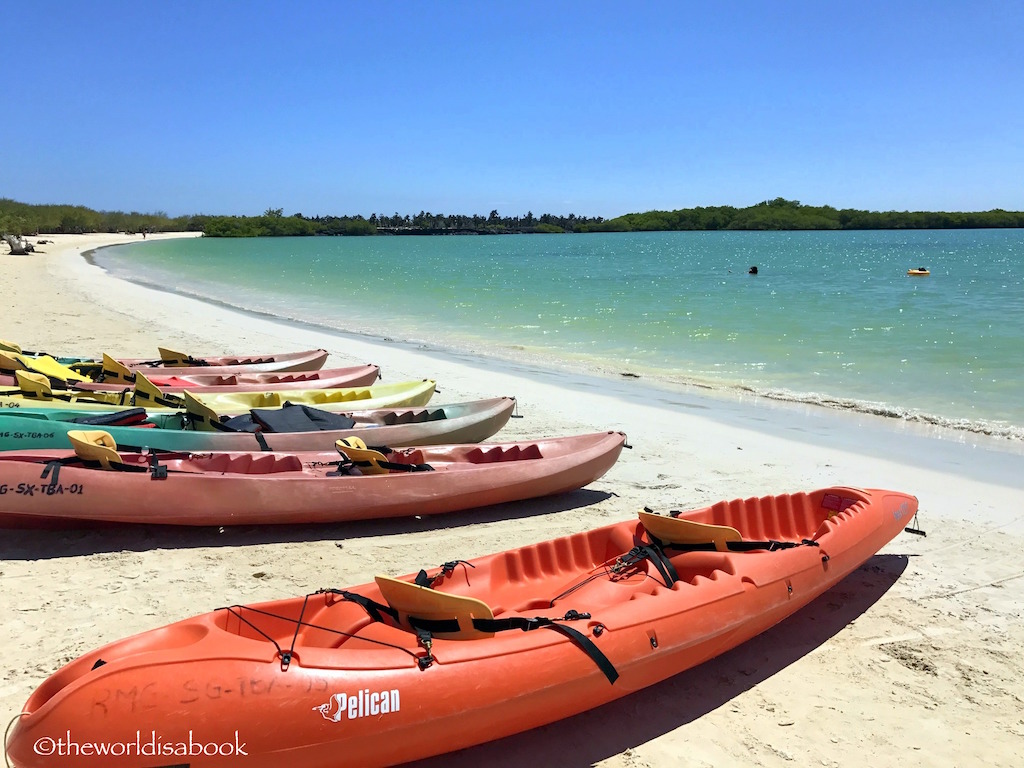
(43, 544)
(590, 737)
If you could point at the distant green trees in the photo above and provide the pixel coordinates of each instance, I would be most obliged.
(426, 223)
(778, 214)
(274, 223)
(782, 214)
(25, 219)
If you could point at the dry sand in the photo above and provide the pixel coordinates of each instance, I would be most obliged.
(912, 660)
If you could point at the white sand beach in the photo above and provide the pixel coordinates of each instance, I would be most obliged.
(914, 660)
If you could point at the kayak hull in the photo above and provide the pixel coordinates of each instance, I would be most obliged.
(469, 422)
(407, 393)
(218, 489)
(313, 678)
(332, 378)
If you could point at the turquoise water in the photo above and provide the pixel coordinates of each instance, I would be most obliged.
(832, 317)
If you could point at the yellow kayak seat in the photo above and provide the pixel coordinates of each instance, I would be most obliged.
(116, 370)
(172, 357)
(425, 603)
(148, 392)
(676, 530)
(95, 445)
(203, 416)
(34, 385)
(367, 459)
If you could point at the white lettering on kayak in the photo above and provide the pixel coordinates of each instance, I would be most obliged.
(365, 703)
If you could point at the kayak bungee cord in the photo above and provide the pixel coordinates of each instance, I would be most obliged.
(7, 731)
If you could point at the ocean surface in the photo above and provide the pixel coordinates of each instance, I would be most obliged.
(831, 318)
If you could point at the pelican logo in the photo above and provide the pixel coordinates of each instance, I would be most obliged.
(365, 703)
(901, 510)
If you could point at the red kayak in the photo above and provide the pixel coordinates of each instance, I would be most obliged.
(328, 378)
(306, 360)
(96, 483)
(461, 653)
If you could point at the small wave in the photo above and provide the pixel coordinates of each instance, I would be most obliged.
(911, 415)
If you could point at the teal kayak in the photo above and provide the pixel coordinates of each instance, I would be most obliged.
(470, 422)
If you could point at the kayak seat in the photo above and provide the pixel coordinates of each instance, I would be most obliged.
(676, 530)
(499, 454)
(95, 445)
(429, 604)
(172, 357)
(10, 361)
(146, 389)
(368, 459)
(116, 371)
(33, 384)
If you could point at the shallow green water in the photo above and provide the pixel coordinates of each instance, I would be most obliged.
(832, 317)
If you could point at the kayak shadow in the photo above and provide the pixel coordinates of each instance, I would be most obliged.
(590, 737)
(45, 543)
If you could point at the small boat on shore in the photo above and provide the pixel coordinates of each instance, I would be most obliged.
(463, 652)
(34, 392)
(327, 378)
(304, 360)
(469, 422)
(97, 483)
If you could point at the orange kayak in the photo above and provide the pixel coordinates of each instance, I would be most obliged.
(460, 654)
(98, 484)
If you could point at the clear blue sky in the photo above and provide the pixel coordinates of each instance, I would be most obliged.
(594, 108)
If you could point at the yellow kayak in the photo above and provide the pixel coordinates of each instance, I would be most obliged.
(34, 392)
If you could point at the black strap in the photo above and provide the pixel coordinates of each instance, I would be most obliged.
(397, 467)
(590, 648)
(56, 464)
(654, 553)
(742, 546)
(423, 579)
(372, 607)
(154, 467)
(104, 373)
(425, 628)
(581, 641)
